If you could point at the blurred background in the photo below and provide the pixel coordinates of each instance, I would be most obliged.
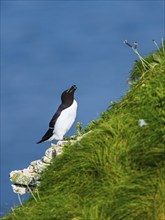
(47, 46)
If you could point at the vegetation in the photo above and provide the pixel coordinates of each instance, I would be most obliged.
(117, 171)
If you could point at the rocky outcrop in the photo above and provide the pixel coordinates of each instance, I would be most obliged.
(26, 180)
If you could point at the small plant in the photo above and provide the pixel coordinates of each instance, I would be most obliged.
(31, 192)
(156, 45)
(13, 212)
(19, 198)
(157, 57)
(79, 128)
(145, 64)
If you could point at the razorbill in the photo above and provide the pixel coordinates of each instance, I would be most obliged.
(64, 117)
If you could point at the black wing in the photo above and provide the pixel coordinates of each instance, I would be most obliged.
(52, 122)
(56, 115)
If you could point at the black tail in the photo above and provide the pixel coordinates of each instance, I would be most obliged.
(39, 142)
(46, 136)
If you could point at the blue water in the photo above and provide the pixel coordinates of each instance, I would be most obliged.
(46, 47)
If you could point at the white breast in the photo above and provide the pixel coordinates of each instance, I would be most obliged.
(65, 121)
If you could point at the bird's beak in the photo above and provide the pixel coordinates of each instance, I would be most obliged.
(73, 88)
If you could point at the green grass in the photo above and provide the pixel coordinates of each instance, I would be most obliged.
(116, 172)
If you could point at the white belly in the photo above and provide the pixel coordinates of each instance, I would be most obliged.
(65, 121)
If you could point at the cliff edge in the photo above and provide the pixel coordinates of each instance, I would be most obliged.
(117, 171)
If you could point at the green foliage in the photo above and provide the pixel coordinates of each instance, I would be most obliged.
(116, 172)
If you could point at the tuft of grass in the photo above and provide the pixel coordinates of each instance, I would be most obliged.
(116, 172)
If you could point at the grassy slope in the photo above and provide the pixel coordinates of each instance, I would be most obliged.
(116, 171)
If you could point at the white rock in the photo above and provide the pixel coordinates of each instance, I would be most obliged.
(62, 143)
(46, 159)
(33, 163)
(50, 152)
(23, 177)
(31, 169)
(58, 149)
(39, 166)
(20, 189)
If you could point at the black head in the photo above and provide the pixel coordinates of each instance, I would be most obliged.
(67, 96)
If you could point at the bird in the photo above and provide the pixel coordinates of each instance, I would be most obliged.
(64, 117)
